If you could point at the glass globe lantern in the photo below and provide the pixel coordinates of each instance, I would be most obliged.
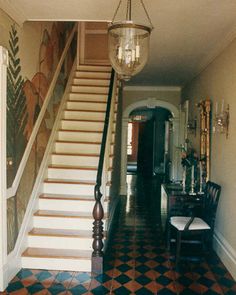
(128, 45)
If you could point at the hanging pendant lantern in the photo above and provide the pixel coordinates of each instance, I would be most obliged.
(128, 43)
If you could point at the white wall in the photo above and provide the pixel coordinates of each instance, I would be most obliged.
(218, 82)
(133, 94)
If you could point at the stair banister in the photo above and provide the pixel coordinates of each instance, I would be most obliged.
(98, 212)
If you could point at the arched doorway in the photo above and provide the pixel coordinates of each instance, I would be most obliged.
(174, 152)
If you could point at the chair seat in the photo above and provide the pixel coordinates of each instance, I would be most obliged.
(179, 222)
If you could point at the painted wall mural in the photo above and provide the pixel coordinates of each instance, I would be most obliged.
(25, 98)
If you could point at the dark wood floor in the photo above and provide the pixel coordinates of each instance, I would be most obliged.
(137, 261)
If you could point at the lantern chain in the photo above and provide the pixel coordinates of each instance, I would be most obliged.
(148, 17)
(118, 7)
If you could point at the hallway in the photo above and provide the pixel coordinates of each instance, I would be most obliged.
(137, 261)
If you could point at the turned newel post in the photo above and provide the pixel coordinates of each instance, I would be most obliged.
(98, 214)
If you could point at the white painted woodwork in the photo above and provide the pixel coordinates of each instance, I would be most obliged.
(68, 188)
(92, 82)
(99, 75)
(60, 242)
(84, 105)
(3, 155)
(73, 173)
(70, 222)
(88, 96)
(82, 125)
(89, 89)
(83, 115)
(72, 147)
(77, 160)
(66, 205)
(94, 68)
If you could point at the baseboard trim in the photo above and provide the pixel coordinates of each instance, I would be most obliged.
(112, 216)
(10, 269)
(225, 252)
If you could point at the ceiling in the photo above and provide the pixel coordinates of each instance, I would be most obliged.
(188, 34)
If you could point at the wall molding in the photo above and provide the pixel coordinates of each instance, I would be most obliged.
(14, 13)
(225, 252)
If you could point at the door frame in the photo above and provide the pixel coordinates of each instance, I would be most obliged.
(174, 150)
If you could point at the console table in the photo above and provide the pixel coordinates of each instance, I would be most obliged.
(174, 202)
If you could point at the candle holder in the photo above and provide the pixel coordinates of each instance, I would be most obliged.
(192, 192)
(200, 179)
(184, 182)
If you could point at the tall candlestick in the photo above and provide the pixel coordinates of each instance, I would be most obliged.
(192, 182)
(222, 106)
(184, 180)
(200, 179)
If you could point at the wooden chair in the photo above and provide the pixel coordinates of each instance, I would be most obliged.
(197, 229)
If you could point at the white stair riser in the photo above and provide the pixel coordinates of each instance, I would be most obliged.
(73, 174)
(69, 189)
(63, 223)
(88, 96)
(94, 106)
(82, 125)
(91, 82)
(80, 136)
(89, 89)
(74, 160)
(60, 242)
(67, 205)
(57, 264)
(78, 115)
(94, 68)
(61, 147)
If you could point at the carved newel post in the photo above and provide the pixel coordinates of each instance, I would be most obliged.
(98, 214)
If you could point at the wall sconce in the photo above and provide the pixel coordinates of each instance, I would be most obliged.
(221, 120)
(192, 126)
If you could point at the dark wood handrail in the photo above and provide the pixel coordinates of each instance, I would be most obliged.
(98, 212)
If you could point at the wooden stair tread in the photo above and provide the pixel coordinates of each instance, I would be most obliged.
(63, 214)
(75, 154)
(90, 85)
(85, 92)
(80, 154)
(87, 101)
(57, 253)
(82, 120)
(92, 78)
(61, 233)
(69, 181)
(89, 71)
(92, 168)
(85, 131)
(66, 197)
(81, 142)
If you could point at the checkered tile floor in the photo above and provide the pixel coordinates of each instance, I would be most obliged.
(136, 262)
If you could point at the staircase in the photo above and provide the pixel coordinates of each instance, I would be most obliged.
(61, 237)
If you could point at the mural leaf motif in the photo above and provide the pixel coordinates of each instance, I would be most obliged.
(16, 104)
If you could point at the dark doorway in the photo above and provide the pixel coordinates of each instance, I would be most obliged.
(148, 143)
